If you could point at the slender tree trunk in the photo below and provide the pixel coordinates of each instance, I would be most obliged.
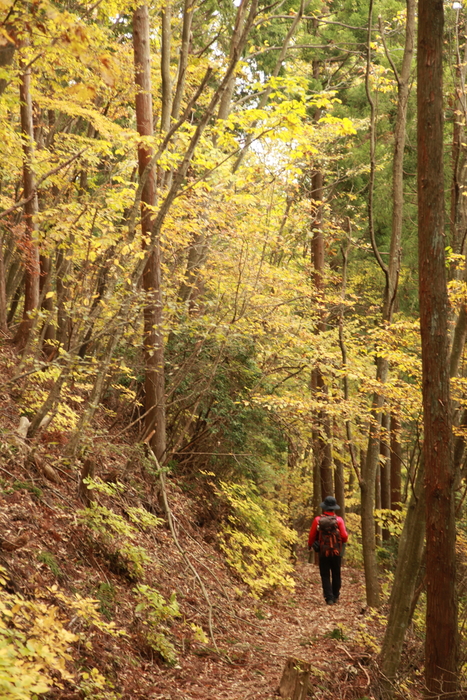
(236, 47)
(3, 307)
(31, 263)
(385, 470)
(408, 565)
(317, 490)
(367, 485)
(323, 442)
(62, 266)
(47, 304)
(339, 480)
(378, 529)
(391, 271)
(7, 51)
(154, 384)
(458, 218)
(166, 31)
(183, 58)
(192, 285)
(396, 464)
(441, 647)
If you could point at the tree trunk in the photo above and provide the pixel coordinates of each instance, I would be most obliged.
(378, 529)
(7, 51)
(183, 58)
(385, 470)
(323, 443)
(295, 680)
(405, 577)
(339, 481)
(31, 262)
(396, 464)
(62, 266)
(367, 485)
(154, 385)
(391, 271)
(166, 82)
(47, 305)
(3, 307)
(441, 647)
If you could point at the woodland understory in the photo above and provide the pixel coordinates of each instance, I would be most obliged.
(232, 283)
(72, 592)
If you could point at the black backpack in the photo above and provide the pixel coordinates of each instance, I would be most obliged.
(329, 536)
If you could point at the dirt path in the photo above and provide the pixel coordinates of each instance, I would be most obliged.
(263, 637)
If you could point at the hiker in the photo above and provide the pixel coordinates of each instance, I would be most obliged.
(327, 536)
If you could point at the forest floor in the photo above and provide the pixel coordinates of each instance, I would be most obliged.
(48, 550)
(254, 637)
(301, 626)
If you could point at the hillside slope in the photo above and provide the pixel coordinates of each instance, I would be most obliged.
(101, 602)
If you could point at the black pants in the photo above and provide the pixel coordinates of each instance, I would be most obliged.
(330, 567)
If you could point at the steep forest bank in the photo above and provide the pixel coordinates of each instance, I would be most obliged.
(107, 605)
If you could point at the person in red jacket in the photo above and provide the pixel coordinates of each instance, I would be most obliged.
(329, 561)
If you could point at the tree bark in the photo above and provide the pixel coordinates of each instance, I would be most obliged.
(3, 307)
(322, 445)
(391, 271)
(385, 470)
(7, 51)
(339, 481)
(405, 577)
(295, 680)
(441, 647)
(31, 254)
(396, 464)
(183, 58)
(166, 36)
(154, 384)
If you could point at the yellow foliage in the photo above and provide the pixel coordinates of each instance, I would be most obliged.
(34, 646)
(256, 542)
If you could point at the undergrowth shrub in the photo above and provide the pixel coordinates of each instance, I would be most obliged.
(87, 612)
(105, 594)
(49, 560)
(354, 550)
(255, 540)
(153, 611)
(34, 646)
(117, 534)
(94, 686)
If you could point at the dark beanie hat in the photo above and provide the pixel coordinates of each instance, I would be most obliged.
(329, 503)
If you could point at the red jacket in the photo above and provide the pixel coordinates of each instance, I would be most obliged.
(314, 528)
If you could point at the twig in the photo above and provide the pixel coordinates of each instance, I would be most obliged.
(338, 646)
(9, 474)
(57, 493)
(69, 476)
(168, 513)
